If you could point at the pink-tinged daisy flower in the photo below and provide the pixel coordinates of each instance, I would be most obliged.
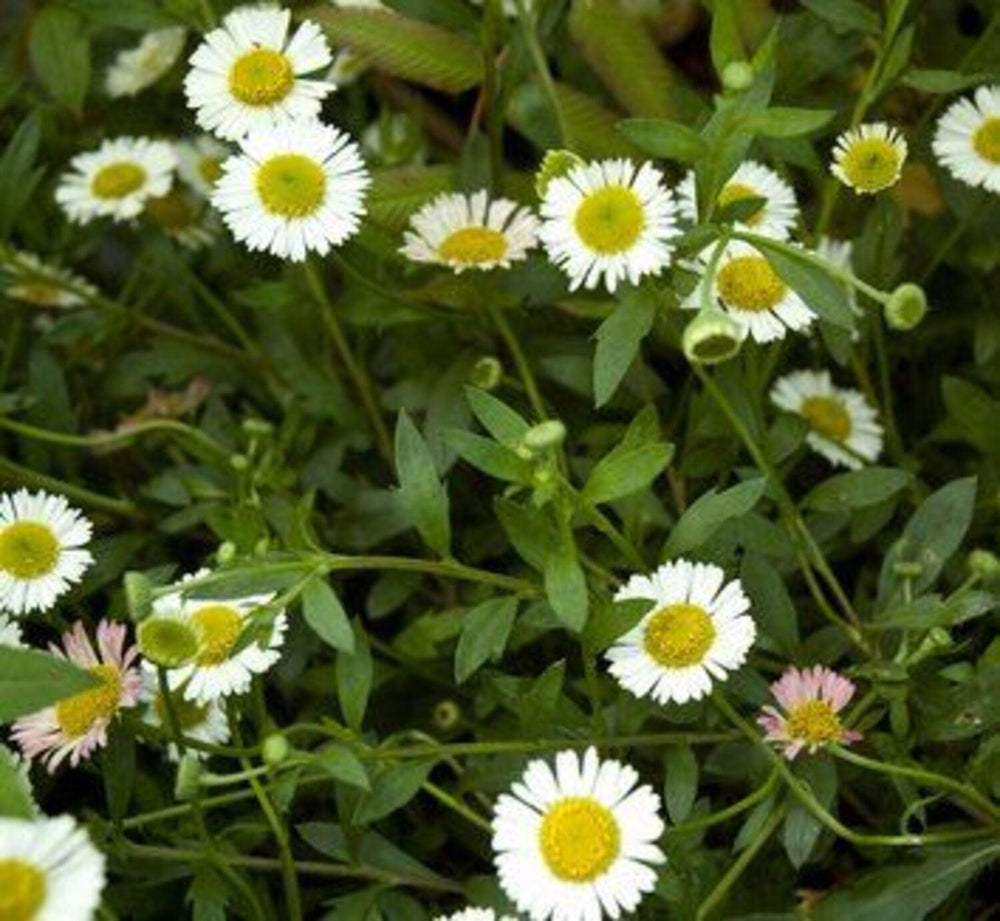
(811, 699)
(77, 726)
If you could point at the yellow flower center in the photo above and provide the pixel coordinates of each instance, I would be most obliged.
(814, 722)
(210, 169)
(188, 713)
(473, 246)
(871, 164)
(827, 416)
(28, 549)
(261, 77)
(986, 140)
(218, 627)
(737, 191)
(679, 635)
(172, 211)
(610, 220)
(116, 180)
(77, 714)
(749, 283)
(291, 185)
(579, 839)
(22, 890)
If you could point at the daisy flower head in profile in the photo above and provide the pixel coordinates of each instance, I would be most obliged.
(470, 232)
(843, 427)
(967, 139)
(811, 700)
(77, 726)
(49, 870)
(202, 722)
(42, 550)
(869, 158)
(249, 74)
(138, 68)
(776, 217)
(747, 287)
(29, 279)
(577, 842)
(293, 189)
(697, 630)
(199, 162)
(474, 914)
(608, 222)
(116, 179)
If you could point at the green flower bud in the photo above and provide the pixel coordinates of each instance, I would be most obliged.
(555, 163)
(138, 595)
(167, 641)
(711, 337)
(187, 785)
(906, 306)
(486, 373)
(275, 749)
(545, 436)
(258, 428)
(737, 76)
(226, 552)
(984, 564)
(239, 462)
(908, 569)
(262, 546)
(447, 715)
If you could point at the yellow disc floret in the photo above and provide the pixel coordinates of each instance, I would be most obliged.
(679, 635)
(814, 722)
(116, 180)
(986, 140)
(22, 890)
(210, 169)
(871, 164)
(749, 283)
(827, 416)
(610, 220)
(76, 715)
(579, 839)
(28, 549)
(218, 627)
(261, 77)
(473, 246)
(291, 185)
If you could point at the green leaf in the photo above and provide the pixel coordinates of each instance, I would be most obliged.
(354, 679)
(632, 464)
(342, 764)
(408, 48)
(488, 456)
(19, 177)
(393, 788)
(530, 531)
(709, 513)
(785, 122)
(618, 339)
(485, 629)
(895, 60)
(31, 680)
(802, 828)
(505, 424)
(724, 42)
(975, 412)
(845, 15)
(324, 613)
(770, 604)
(118, 763)
(660, 137)
(137, 15)
(941, 81)
(857, 489)
(60, 55)
(208, 895)
(399, 191)
(565, 584)
(16, 801)
(680, 781)
(424, 496)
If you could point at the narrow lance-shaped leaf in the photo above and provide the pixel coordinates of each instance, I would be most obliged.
(618, 339)
(424, 495)
(324, 613)
(484, 635)
(31, 680)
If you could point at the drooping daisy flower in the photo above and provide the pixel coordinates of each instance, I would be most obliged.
(474, 914)
(296, 188)
(182, 217)
(843, 427)
(394, 139)
(576, 842)
(753, 294)
(610, 221)
(140, 67)
(967, 140)
(696, 630)
(116, 179)
(775, 218)
(247, 75)
(203, 722)
(810, 700)
(77, 726)
(470, 232)
(41, 549)
(199, 162)
(869, 158)
(49, 870)
(31, 280)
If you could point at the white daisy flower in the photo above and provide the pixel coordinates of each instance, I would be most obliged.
(697, 630)
(116, 179)
(49, 870)
(41, 550)
(967, 139)
(470, 232)
(199, 162)
(247, 75)
(610, 220)
(140, 67)
(203, 722)
(869, 158)
(575, 843)
(296, 188)
(775, 218)
(183, 217)
(216, 667)
(10, 632)
(843, 426)
(474, 914)
(753, 294)
(33, 281)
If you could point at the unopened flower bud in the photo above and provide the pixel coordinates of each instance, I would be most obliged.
(556, 163)
(447, 714)
(906, 306)
(239, 462)
(187, 785)
(908, 569)
(258, 428)
(262, 546)
(226, 552)
(138, 595)
(486, 373)
(545, 436)
(166, 641)
(275, 749)
(737, 76)
(711, 337)
(984, 564)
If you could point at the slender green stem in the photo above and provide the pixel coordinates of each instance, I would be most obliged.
(538, 58)
(12, 348)
(228, 318)
(724, 815)
(520, 361)
(457, 806)
(122, 508)
(593, 692)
